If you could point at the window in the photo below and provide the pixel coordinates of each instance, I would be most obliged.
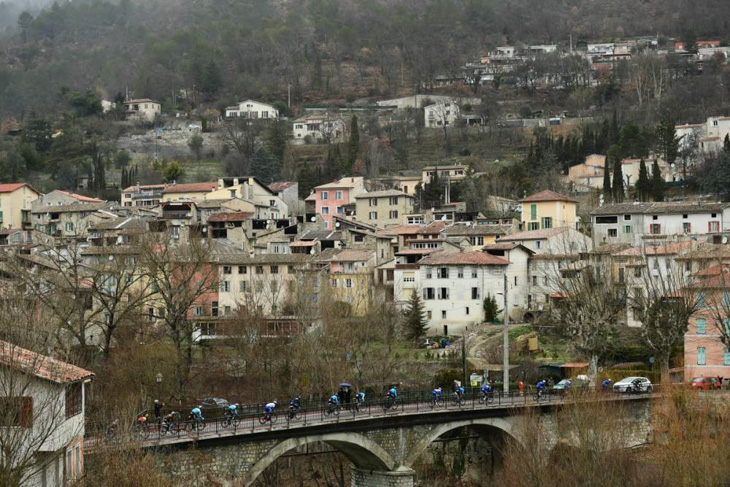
(474, 273)
(338, 195)
(443, 314)
(547, 222)
(340, 210)
(701, 356)
(460, 273)
(538, 244)
(428, 293)
(18, 411)
(259, 269)
(274, 269)
(476, 240)
(443, 293)
(335, 283)
(687, 227)
(637, 271)
(612, 232)
(466, 310)
(227, 269)
(533, 226)
(348, 283)
(325, 195)
(726, 357)
(373, 201)
(393, 214)
(325, 210)
(225, 287)
(373, 215)
(655, 228)
(627, 218)
(534, 280)
(69, 226)
(429, 315)
(242, 269)
(214, 308)
(654, 217)
(701, 326)
(475, 293)
(713, 227)
(515, 280)
(544, 280)
(74, 399)
(243, 286)
(393, 200)
(701, 300)
(442, 272)
(428, 273)
(533, 212)
(627, 228)
(606, 220)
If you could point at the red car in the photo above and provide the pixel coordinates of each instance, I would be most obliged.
(706, 383)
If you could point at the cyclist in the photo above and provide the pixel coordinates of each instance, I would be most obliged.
(295, 406)
(486, 390)
(393, 393)
(460, 392)
(359, 399)
(196, 414)
(333, 403)
(436, 394)
(606, 383)
(168, 421)
(541, 386)
(269, 409)
(232, 412)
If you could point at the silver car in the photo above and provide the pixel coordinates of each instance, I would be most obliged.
(633, 384)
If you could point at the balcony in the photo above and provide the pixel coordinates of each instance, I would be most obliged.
(176, 215)
(147, 195)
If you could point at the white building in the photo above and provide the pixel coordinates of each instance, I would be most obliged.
(43, 400)
(635, 223)
(318, 128)
(253, 110)
(559, 240)
(142, 109)
(441, 114)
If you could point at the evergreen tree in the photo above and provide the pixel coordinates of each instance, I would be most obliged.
(606, 181)
(726, 144)
(265, 166)
(415, 323)
(667, 141)
(643, 185)
(491, 310)
(353, 145)
(617, 186)
(657, 183)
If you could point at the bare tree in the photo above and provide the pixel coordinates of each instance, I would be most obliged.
(241, 135)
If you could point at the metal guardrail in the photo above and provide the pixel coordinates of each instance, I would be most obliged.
(316, 412)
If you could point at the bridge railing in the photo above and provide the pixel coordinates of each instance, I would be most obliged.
(251, 417)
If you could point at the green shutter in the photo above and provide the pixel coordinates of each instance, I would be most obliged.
(533, 212)
(701, 326)
(701, 358)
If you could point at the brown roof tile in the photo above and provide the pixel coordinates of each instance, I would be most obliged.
(546, 195)
(236, 216)
(191, 188)
(41, 366)
(463, 258)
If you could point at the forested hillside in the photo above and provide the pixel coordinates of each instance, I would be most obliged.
(217, 51)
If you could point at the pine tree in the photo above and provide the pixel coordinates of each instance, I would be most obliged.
(491, 310)
(657, 183)
(643, 185)
(618, 181)
(606, 181)
(353, 145)
(415, 323)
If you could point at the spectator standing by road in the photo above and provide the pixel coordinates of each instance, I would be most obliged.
(522, 388)
(158, 410)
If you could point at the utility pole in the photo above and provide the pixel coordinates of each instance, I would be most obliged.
(288, 95)
(463, 356)
(505, 362)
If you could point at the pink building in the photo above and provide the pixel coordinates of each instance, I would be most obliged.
(705, 355)
(331, 198)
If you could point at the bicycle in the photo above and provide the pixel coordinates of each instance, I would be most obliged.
(230, 420)
(196, 425)
(436, 402)
(294, 413)
(486, 398)
(456, 399)
(270, 417)
(390, 403)
(332, 409)
(357, 405)
(141, 429)
(539, 396)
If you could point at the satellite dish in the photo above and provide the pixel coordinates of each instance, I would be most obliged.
(337, 224)
(724, 240)
(314, 219)
(443, 218)
(311, 251)
(111, 257)
(205, 229)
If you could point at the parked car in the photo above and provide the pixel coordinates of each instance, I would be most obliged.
(430, 344)
(213, 407)
(706, 383)
(633, 384)
(567, 385)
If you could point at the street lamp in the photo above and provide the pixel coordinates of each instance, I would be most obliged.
(505, 338)
(158, 379)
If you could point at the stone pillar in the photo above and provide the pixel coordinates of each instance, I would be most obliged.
(402, 477)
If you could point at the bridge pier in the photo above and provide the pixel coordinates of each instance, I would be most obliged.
(401, 477)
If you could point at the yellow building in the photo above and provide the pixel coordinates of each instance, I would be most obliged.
(352, 279)
(548, 209)
(15, 205)
(188, 192)
(383, 208)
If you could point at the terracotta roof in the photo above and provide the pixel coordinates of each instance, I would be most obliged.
(281, 185)
(536, 234)
(432, 228)
(714, 270)
(144, 186)
(300, 243)
(10, 187)
(139, 100)
(353, 255)
(669, 249)
(505, 246)
(417, 251)
(400, 230)
(546, 195)
(80, 197)
(191, 188)
(478, 230)
(717, 282)
(41, 366)
(463, 258)
(237, 216)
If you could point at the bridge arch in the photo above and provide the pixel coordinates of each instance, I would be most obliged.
(496, 424)
(363, 452)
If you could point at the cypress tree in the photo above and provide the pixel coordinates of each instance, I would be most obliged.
(726, 144)
(657, 183)
(618, 181)
(643, 186)
(606, 181)
(415, 323)
(353, 145)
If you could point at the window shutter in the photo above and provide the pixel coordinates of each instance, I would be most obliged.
(26, 412)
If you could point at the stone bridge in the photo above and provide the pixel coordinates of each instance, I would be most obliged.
(382, 447)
